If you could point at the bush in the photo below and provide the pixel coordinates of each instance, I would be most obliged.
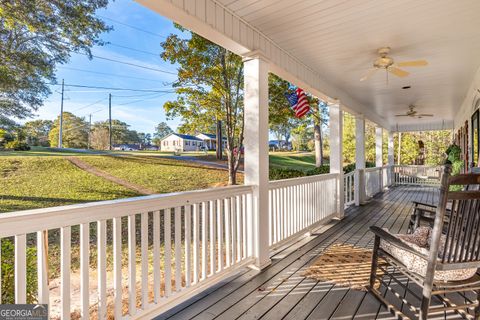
(17, 146)
(320, 170)
(281, 173)
(351, 167)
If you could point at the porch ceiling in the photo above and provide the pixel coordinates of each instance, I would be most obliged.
(339, 40)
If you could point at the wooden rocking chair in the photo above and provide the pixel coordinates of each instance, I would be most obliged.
(424, 213)
(447, 267)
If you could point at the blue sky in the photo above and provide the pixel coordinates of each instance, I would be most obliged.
(141, 110)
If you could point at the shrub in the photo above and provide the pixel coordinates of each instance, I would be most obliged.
(351, 167)
(17, 146)
(281, 173)
(320, 170)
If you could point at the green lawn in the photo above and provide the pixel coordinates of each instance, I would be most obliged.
(37, 182)
(292, 160)
(160, 174)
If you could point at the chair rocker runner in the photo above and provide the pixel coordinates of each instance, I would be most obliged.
(443, 263)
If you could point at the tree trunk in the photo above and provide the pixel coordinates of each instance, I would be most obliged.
(219, 147)
(232, 171)
(318, 146)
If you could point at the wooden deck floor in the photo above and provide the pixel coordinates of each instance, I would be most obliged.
(281, 292)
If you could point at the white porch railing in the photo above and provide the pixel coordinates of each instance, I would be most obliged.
(300, 204)
(417, 175)
(178, 242)
(349, 185)
(373, 181)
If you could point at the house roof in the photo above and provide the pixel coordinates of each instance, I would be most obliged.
(211, 136)
(183, 136)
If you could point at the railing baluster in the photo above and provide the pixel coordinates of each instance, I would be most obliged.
(188, 244)
(42, 267)
(156, 256)
(220, 235)
(144, 256)
(239, 226)
(117, 267)
(20, 269)
(228, 225)
(233, 219)
(212, 243)
(204, 240)
(102, 268)
(167, 266)
(178, 249)
(85, 270)
(65, 250)
(132, 266)
(196, 242)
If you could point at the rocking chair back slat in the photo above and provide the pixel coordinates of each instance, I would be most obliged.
(461, 241)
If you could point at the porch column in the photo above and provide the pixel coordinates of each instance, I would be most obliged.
(391, 158)
(336, 154)
(256, 156)
(379, 153)
(378, 147)
(359, 160)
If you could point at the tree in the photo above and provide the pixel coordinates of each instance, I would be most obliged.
(35, 37)
(209, 88)
(75, 131)
(120, 131)
(99, 138)
(162, 130)
(37, 132)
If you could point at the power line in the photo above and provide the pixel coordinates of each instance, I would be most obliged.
(133, 49)
(131, 102)
(128, 63)
(112, 74)
(133, 27)
(110, 88)
(89, 105)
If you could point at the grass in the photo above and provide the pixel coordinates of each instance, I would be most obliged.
(161, 175)
(38, 182)
(292, 160)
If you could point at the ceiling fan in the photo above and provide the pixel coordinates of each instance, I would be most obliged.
(387, 63)
(413, 113)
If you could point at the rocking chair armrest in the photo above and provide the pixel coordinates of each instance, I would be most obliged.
(417, 203)
(390, 238)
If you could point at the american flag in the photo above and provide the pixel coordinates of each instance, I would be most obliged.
(299, 102)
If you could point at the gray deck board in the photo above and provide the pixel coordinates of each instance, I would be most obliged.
(282, 292)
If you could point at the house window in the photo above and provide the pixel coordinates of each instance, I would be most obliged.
(187, 143)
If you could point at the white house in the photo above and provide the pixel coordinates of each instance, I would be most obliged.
(210, 140)
(182, 142)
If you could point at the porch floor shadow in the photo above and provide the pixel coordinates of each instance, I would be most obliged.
(282, 292)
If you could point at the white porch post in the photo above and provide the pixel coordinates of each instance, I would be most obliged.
(256, 155)
(359, 160)
(379, 153)
(336, 154)
(391, 158)
(378, 147)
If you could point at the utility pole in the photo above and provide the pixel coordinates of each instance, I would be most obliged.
(110, 119)
(89, 131)
(60, 133)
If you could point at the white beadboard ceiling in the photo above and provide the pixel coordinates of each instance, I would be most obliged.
(339, 38)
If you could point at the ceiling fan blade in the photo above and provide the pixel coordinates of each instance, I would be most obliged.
(425, 115)
(398, 72)
(415, 63)
(369, 74)
(402, 115)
